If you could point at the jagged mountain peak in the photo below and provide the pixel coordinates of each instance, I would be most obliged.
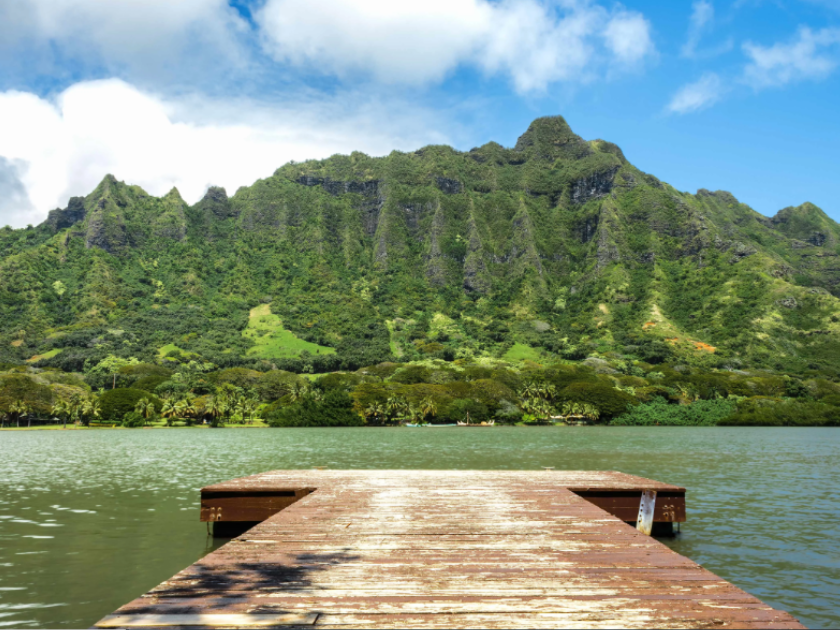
(557, 229)
(216, 194)
(808, 223)
(551, 137)
(807, 211)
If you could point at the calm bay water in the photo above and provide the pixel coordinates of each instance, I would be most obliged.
(89, 520)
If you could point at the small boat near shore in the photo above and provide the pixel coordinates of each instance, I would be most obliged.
(467, 423)
(429, 425)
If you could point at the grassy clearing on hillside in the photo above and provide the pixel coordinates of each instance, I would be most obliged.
(522, 352)
(272, 341)
(171, 347)
(396, 350)
(46, 355)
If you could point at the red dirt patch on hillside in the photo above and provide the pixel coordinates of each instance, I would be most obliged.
(699, 345)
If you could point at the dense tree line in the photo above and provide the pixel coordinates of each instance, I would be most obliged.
(597, 390)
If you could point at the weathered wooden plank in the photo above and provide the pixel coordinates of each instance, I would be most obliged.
(251, 507)
(211, 620)
(446, 549)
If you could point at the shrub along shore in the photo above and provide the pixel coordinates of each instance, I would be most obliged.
(600, 390)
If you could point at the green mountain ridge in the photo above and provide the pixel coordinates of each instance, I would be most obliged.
(557, 247)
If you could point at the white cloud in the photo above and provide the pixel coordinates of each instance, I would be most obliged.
(418, 41)
(692, 97)
(64, 147)
(139, 34)
(14, 200)
(628, 37)
(808, 56)
(702, 15)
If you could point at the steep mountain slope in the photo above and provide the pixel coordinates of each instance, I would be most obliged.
(557, 246)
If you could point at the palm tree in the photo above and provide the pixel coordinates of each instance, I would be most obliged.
(549, 392)
(59, 410)
(528, 403)
(181, 407)
(18, 409)
(299, 391)
(240, 408)
(580, 410)
(74, 408)
(428, 407)
(217, 409)
(544, 409)
(529, 391)
(190, 409)
(168, 411)
(145, 408)
(250, 406)
(414, 413)
(395, 406)
(371, 412)
(91, 409)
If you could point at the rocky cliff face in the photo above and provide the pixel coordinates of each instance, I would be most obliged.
(555, 229)
(74, 213)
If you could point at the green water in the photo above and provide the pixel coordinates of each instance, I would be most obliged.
(89, 520)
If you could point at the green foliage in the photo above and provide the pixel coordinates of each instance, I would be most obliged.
(238, 377)
(273, 341)
(133, 420)
(149, 383)
(522, 352)
(660, 413)
(334, 409)
(116, 403)
(609, 401)
(38, 397)
(277, 384)
(107, 371)
(343, 381)
(556, 249)
(460, 408)
(777, 413)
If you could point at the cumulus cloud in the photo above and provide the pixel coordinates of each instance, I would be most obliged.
(53, 149)
(15, 206)
(698, 95)
(628, 37)
(418, 41)
(702, 15)
(810, 55)
(144, 35)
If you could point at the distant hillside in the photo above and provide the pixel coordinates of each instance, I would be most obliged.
(557, 247)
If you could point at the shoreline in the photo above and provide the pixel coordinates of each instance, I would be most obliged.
(518, 426)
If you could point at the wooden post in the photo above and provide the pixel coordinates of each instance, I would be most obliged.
(644, 523)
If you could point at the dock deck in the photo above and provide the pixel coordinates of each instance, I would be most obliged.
(443, 549)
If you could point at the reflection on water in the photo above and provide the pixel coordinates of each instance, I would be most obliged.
(89, 520)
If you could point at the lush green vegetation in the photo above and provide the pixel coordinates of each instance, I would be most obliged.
(605, 389)
(785, 413)
(661, 413)
(549, 282)
(331, 409)
(272, 341)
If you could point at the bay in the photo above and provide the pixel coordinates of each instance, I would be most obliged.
(89, 520)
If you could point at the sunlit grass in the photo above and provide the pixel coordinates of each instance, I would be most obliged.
(272, 341)
(522, 352)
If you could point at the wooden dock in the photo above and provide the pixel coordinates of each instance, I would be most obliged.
(443, 549)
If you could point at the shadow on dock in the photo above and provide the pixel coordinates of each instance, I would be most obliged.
(215, 585)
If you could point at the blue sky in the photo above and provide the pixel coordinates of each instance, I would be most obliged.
(739, 95)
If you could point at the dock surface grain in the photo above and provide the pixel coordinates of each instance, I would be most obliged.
(444, 549)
